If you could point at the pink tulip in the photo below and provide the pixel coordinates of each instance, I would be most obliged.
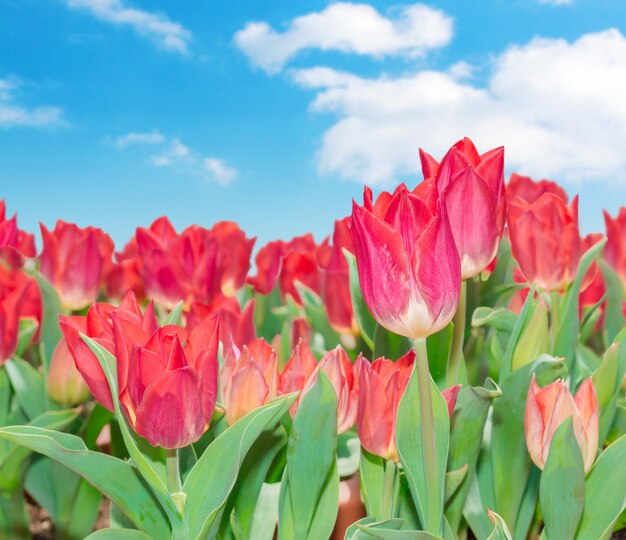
(381, 385)
(249, 379)
(65, 383)
(473, 189)
(408, 264)
(76, 261)
(297, 372)
(548, 407)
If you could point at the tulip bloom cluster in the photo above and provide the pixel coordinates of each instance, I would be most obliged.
(256, 393)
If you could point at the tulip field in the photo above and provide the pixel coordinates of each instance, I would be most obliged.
(449, 364)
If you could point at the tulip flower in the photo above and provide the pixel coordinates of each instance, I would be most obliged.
(473, 189)
(125, 273)
(408, 264)
(381, 385)
(336, 279)
(548, 407)
(342, 375)
(545, 240)
(593, 286)
(98, 325)
(65, 383)
(615, 249)
(19, 299)
(297, 372)
(197, 264)
(76, 261)
(169, 389)
(15, 244)
(526, 188)
(285, 263)
(236, 325)
(249, 379)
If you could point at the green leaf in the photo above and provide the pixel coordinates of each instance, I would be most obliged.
(562, 487)
(426, 478)
(118, 534)
(316, 314)
(605, 493)
(372, 476)
(506, 365)
(439, 345)
(266, 513)
(380, 533)
(468, 422)
(501, 319)
(29, 386)
(569, 322)
(388, 344)
(607, 380)
(13, 516)
(615, 296)
(364, 319)
(500, 531)
(219, 466)
(50, 331)
(311, 454)
(243, 501)
(174, 316)
(534, 340)
(28, 328)
(116, 479)
(453, 480)
(325, 515)
(509, 456)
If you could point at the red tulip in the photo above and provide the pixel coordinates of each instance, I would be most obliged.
(76, 261)
(197, 264)
(285, 263)
(409, 267)
(236, 325)
(615, 249)
(593, 287)
(473, 189)
(300, 331)
(15, 244)
(545, 240)
(169, 389)
(529, 190)
(336, 279)
(19, 299)
(548, 407)
(249, 379)
(126, 273)
(65, 383)
(381, 385)
(98, 325)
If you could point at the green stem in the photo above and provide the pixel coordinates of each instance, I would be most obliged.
(453, 373)
(179, 529)
(390, 486)
(554, 320)
(428, 422)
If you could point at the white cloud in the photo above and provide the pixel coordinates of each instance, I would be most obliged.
(172, 153)
(166, 33)
(13, 114)
(558, 108)
(130, 139)
(220, 170)
(349, 28)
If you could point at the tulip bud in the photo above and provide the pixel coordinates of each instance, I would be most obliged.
(297, 372)
(15, 244)
(548, 407)
(408, 264)
(65, 383)
(473, 188)
(545, 240)
(527, 189)
(249, 379)
(381, 385)
(342, 375)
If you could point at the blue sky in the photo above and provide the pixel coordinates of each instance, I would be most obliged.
(274, 114)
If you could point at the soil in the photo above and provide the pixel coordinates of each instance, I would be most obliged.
(42, 527)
